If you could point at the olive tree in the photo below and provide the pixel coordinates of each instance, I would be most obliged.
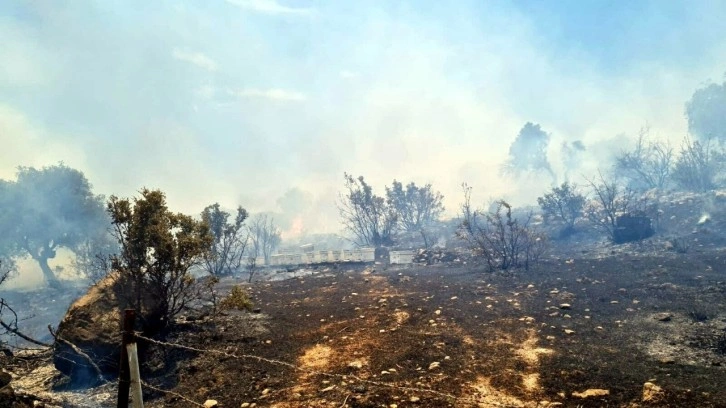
(564, 204)
(706, 113)
(528, 152)
(369, 217)
(416, 208)
(47, 209)
(157, 250)
(230, 240)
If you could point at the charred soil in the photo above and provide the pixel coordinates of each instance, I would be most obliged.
(442, 336)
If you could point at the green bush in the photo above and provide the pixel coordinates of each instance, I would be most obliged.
(238, 299)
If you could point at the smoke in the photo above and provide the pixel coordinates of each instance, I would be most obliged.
(267, 108)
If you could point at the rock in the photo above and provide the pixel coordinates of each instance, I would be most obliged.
(93, 324)
(663, 317)
(590, 393)
(565, 306)
(355, 364)
(7, 397)
(245, 405)
(434, 365)
(652, 392)
(568, 331)
(5, 378)
(210, 403)
(414, 399)
(632, 227)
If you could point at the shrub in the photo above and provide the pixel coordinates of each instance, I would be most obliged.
(615, 208)
(648, 165)
(698, 166)
(238, 299)
(565, 204)
(501, 240)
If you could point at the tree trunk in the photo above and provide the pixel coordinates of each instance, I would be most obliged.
(47, 272)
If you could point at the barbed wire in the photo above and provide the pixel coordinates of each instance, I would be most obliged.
(168, 392)
(298, 368)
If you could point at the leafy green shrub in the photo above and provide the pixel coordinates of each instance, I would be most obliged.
(564, 204)
(238, 299)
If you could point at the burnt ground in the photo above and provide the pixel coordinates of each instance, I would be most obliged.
(592, 316)
(442, 336)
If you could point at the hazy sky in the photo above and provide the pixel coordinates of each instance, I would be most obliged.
(265, 103)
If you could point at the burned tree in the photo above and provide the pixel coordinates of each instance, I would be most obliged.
(48, 209)
(230, 240)
(564, 204)
(699, 165)
(416, 208)
(503, 241)
(618, 211)
(648, 165)
(370, 219)
(265, 237)
(158, 250)
(528, 152)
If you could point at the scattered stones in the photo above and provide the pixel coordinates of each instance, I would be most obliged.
(590, 393)
(355, 364)
(434, 365)
(210, 403)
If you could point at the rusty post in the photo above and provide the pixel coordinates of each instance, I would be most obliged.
(124, 373)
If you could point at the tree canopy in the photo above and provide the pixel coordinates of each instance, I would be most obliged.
(367, 216)
(415, 207)
(158, 249)
(706, 113)
(229, 242)
(528, 152)
(47, 209)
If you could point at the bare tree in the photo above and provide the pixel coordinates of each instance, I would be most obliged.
(230, 240)
(698, 166)
(367, 216)
(495, 235)
(265, 236)
(648, 165)
(612, 201)
(251, 267)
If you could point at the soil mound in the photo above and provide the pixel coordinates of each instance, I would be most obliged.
(91, 326)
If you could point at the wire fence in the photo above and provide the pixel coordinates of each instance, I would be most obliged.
(346, 377)
(462, 400)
